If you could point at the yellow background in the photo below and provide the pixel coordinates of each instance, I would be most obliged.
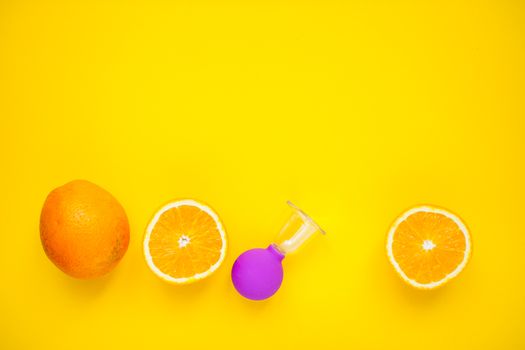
(355, 110)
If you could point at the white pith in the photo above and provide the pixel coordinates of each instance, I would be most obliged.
(183, 241)
(152, 224)
(448, 277)
(428, 245)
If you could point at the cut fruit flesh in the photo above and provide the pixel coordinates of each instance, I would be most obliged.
(428, 246)
(184, 242)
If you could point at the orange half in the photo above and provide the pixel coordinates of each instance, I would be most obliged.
(428, 246)
(184, 242)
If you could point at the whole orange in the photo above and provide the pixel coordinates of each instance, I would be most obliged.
(84, 229)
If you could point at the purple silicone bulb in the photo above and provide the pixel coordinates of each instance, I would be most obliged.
(257, 273)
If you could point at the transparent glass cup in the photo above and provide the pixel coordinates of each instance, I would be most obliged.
(297, 231)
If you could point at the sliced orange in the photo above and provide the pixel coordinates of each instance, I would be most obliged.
(184, 242)
(428, 246)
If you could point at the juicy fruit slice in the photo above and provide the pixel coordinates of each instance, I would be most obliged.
(428, 246)
(184, 242)
(84, 229)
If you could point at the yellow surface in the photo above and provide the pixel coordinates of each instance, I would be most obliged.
(354, 110)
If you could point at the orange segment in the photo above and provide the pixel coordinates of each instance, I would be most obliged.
(184, 242)
(428, 246)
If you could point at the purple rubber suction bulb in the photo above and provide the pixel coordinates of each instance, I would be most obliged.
(257, 274)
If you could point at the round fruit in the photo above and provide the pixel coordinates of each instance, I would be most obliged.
(428, 246)
(84, 229)
(184, 242)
